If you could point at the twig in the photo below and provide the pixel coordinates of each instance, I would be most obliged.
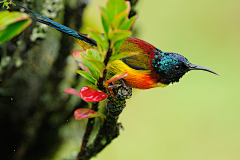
(89, 129)
(102, 79)
(110, 128)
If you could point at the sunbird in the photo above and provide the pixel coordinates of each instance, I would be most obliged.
(149, 69)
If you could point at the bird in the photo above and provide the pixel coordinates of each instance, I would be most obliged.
(149, 69)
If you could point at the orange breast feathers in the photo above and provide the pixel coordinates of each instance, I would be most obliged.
(140, 79)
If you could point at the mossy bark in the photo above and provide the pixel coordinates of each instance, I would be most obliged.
(31, 94)
(32, 83)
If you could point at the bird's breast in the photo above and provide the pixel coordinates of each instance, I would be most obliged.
(141, 79)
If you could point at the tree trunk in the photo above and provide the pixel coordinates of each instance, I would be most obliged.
(32, 103)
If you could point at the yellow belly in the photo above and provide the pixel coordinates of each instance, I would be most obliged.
(140, 79)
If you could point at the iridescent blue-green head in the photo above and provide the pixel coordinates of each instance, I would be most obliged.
(170, 67)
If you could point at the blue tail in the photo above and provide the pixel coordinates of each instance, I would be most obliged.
(60, 27)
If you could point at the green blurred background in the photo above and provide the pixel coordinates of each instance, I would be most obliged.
(199, 117)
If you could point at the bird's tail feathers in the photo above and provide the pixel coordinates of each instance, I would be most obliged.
(60, 27)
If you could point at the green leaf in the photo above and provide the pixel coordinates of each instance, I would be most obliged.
(94, 54)
(97, 66)
(87, 75)
(122, 55)
(12, 24)
(118, 35)
(117, 46)
(99, 38)
(105, 21)
(128, 24)
(114, 7)
(122, 16)
(119, 19)
(93, 60)
(92, 69)
(6, 3)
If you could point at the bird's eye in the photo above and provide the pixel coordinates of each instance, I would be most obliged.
(177, 67)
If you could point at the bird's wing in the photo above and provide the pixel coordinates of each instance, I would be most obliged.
(142, 61)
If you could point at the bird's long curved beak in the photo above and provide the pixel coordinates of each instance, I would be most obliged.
(197, 67)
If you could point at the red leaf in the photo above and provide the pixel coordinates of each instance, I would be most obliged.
(72, 91)
(83, 113)
(91, 94)
(117, 77)
(78, 59)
